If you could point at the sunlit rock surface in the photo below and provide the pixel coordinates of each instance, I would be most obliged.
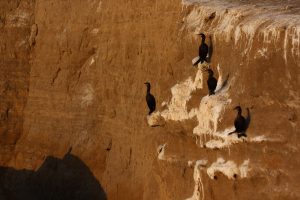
(73, 73)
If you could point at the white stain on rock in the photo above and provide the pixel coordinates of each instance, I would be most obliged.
(198, 193)
(181, 94)
(261, 53)
(222, 140)
(211, 109)
(230, 169)
(95, 31)
(19, 18)
(208, 113)
(161, 150)
(87, 95)
(155, 119)
(246, 21)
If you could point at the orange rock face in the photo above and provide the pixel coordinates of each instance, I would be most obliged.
(15, 23)
(72, 100)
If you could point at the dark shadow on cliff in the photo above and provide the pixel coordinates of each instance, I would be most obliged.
(56, 179)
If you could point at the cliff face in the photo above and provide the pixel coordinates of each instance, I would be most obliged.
(74, 73)
(16, 18)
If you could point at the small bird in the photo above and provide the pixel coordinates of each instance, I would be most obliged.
(211, 82)
(203, 50)
(240, 123)
(150, 99)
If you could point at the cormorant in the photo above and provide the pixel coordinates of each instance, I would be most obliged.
(203, 50)
(211, 82)
(150, 99)
(240, 123)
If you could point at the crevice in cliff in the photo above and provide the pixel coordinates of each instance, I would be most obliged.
(55, 76)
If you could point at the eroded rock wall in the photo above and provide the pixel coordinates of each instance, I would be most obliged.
(16, 19)
(79, 82)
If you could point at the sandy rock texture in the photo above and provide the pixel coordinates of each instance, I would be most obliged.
(72, 100)
(16, 18)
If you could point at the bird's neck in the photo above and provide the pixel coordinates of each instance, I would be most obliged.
(239, 113)
(203, 40)
(148, 89)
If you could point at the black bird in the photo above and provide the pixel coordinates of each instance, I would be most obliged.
(211, 82)
(203, 50)
(150, 99)
(240, 123)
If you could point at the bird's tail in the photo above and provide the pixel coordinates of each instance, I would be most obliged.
(232, 132)
(197, 62)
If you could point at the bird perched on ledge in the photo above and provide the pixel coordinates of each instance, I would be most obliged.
(240, 123)
(203, 50)
(150, 99)
(211, 81)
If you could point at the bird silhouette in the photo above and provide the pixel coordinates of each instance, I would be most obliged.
(203, 50)
(150, 99)
(211, 82)
(240, 123)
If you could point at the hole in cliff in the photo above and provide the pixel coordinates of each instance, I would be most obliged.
(215, 177)
(235, 176)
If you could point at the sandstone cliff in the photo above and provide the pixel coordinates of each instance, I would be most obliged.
(73, 73)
